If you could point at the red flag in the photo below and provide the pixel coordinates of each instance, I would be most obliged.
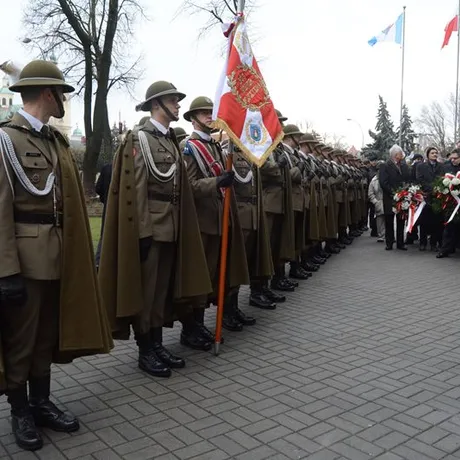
(451, 27)
(243, 106)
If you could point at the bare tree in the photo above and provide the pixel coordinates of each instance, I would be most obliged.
(217, 11)
(91, 40)
(335, 140)
(435, 123)
(305, 126)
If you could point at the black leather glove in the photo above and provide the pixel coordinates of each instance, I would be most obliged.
(225, 180)
(283, 161)
(13, 291)
(144, 247)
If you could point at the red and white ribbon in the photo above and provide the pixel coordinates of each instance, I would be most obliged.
(414, 214)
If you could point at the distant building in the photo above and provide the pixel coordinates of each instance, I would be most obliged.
(353, 151)
(7, 106)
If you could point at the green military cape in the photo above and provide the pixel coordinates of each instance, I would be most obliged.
(120, 266)
(288, 249)
(331, 213)
(262, 265)
(313, 224)
(322, 220)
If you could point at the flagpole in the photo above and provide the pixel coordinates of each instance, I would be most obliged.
(458, 73)
(402, 75)
(224, 241)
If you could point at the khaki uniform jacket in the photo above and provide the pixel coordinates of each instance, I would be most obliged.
(246, 193)
(157, 212)
(31, 249)
(273, 184)
(51, 252)
(208, 199)
(298, 197)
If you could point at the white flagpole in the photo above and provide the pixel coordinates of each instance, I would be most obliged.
(458, 72)
(402, 75)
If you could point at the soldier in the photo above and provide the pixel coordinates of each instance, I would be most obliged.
(341, 198)
(248, 193)
(276, 183)
(311, 204)
(151, 239)
(50, 305)
(209, 179)
(292, 136)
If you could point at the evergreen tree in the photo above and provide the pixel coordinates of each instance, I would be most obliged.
(407, 133)
(384, 136)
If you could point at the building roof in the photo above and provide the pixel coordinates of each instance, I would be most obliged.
(5, 90)
(7, 112)
(77, 132)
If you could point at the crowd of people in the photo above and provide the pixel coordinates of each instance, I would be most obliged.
(430, 230)
(158, 260)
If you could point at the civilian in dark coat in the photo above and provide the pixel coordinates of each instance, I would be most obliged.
(392, 175)
(451, 231)
(102, 189)
(430, 223)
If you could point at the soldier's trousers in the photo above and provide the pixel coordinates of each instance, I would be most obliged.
(157, 276)
(30, 333)
(275, 227)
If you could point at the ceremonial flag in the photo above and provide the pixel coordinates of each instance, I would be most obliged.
(243, 108)
(393, 33)
(451, 27)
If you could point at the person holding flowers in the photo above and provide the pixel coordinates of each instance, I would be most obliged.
(392, 175)
(430, 223)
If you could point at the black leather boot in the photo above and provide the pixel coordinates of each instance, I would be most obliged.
(22, 422)
(45, 412)
(280, 284)
(148, 360)
(240, 316)
(260, 300)
(206, 334)
(164, 355)
(297, 272)
(230, 321)
(273, 296)
(191, 336)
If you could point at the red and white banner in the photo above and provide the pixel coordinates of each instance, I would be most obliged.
(243, 108)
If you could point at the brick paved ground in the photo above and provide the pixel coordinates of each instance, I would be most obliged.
(362, 362)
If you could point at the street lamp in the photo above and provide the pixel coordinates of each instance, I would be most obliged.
(361, 129)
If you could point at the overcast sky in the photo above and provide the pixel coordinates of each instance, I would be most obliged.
(313, 54)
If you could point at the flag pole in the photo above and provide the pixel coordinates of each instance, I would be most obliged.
(402, 75)
(458, 73)
(224, 241)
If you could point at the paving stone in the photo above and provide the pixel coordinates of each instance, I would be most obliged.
(338, 372)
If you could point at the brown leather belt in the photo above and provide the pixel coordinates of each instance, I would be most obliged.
(35, 218)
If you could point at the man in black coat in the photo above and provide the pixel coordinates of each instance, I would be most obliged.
(102, 189)
(452, 230)
(430, 223)
(393, 174)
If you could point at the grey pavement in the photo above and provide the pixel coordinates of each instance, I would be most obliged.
(362, 362)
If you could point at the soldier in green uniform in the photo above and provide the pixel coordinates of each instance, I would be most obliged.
(277, 193)
(50, 307)
(248, 194)
(151, 240)
(311, 204)
(292, 136)
(209, 180)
